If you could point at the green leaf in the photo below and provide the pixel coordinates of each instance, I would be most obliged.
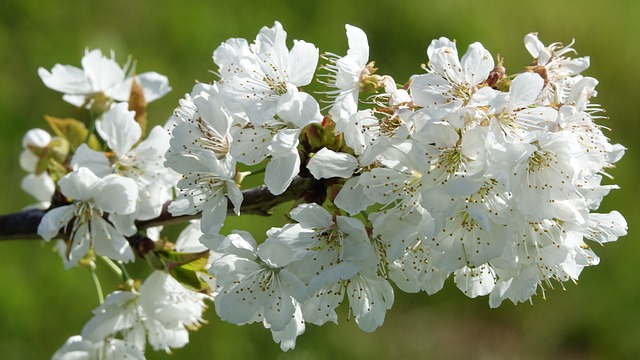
(189, 279)
(185, 266)
(72, 130)
(154, 261)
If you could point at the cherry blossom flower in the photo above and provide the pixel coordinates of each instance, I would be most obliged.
(254, 286)
(161, 312)
(558, 70)
(141, 161)
(347, 74)
(101, 75)
(109, 349)
(258, 76)
(83, 218)
(452, 82)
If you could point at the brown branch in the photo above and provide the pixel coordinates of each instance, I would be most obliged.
(23, 225)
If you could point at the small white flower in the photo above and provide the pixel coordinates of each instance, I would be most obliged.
(169, 310)
(257, 76)
(369, 295)
(119, 313)
(253, 290)
(34, 139)
(452, 82)
(559, 71)
(162, 311)
(142, 163)
(318, 243)
(518, 119)
(100, 74)
(37, 183)
(77, 348)
(346, 74)
(278, 140)
(543, 185)
(205, 185)
(92, 197)
(203, 127)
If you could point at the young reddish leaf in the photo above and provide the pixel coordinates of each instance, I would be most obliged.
(138, 104)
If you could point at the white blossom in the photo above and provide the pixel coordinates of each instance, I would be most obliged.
(257, 76)
(83, 218)
(559, 71)
(77, 348)
(101, 75)
(346, 75)
(256, 288)
(141, 161)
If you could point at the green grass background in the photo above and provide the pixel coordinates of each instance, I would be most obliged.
(41, 304)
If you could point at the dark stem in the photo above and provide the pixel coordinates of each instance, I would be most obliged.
(23, 225)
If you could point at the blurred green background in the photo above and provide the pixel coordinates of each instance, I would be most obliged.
(41, 304)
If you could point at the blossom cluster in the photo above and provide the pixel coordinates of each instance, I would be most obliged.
(162, 311)
(462, 172)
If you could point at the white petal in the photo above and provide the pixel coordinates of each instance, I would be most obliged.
(281, 171)
(95, 161)
(189, 239)
(241, 303)
(351, 197)
(230, 53)
(79, 184)
(163, 336)
(275, 254)
(214, 212)
(369, 299)
(125, 224)
(117, 313)
(103, 73)
(303, 60)
(533, 45)
(477, 63)
(327, 163)
(250, 145)
(231, 268)
(54, 220)
(116, 194)
(475, 282)
(40, 186)
(442, 42)
(279, 306)
(154, 85)
(76, 348)
(28, 161)
(298, 108)
(605, 228)
(107, 241)
(321, 306)
(119, 128)
(164, 299)
(312, 215)
(66, 79)
(285, 142)
(36, 138)
(287, 337)
(524, 89)
(358, 45)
